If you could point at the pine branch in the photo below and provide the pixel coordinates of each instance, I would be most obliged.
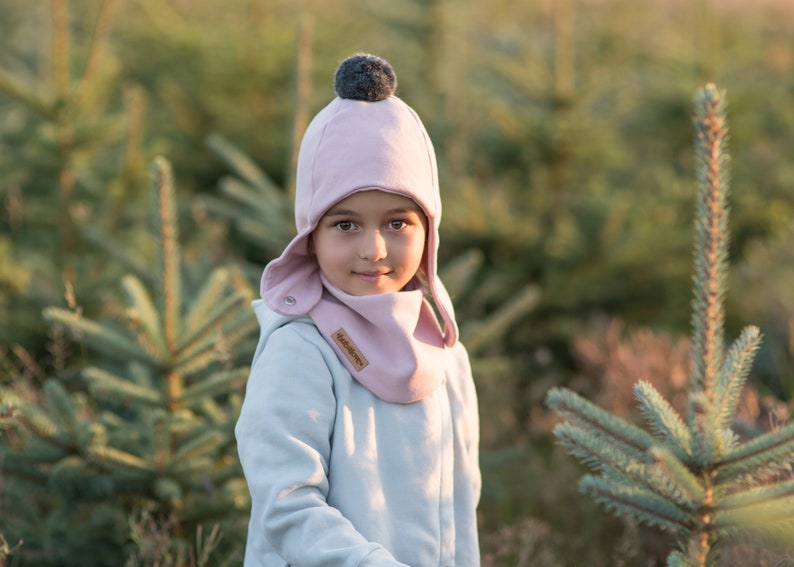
(144, 313)
(771, 451)
(60, 403)
(202, 336)
(27, 96)
(162, 439)
(34, 419)
(593, 450)
(711, 242)
(676, 559)
(98, 336)
(768, 513)
(640, 504)
(192, 467)
(662, 418)
(245, 168)
(758, 495)
(587, 415)
(116, 459)
(679, 474)
(733, 377)
(459, 273)
(492, 328)
(217, 384)
(107, 386)
(203, 302)
(200, 446)
(167, 230)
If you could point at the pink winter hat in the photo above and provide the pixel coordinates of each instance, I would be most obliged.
(365, 139)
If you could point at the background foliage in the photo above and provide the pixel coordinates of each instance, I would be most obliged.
(564, 140)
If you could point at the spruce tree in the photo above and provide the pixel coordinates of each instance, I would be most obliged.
(146, 434)
(692, 475)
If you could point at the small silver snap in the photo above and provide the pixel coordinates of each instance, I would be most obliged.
(289, 300)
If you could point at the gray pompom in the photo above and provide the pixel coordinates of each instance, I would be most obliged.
(365, 77)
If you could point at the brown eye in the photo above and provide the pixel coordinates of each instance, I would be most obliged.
(345, 226)
(397, 224)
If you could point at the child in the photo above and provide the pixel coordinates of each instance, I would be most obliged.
(359, 430)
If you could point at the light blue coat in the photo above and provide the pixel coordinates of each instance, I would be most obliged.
(340, 478)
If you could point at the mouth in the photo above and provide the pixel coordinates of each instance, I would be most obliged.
(371, 276)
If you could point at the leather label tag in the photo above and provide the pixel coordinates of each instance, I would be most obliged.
(350, 350)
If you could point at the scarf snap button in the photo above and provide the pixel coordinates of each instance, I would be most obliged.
(289, 300)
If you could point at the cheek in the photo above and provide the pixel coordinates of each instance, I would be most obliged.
(416, 251)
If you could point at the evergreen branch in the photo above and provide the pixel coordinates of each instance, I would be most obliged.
(112, 458)
(711, 242)
(679, 474)
(213, 412)
(36, 450)
(160, 432)
(197, 363)
(654, 478)
(662, 418)
(459, 273)
(587, 415)
(98, 43)
(659, 471)
(192, 467)
(268, 206)
(200, 306)
(168, 490)
(107, 386)
(199, 446)
(145, 314)
(98, 336)
(23, 471)
(734, 375)
(492, 328)
(640, 504)
(45, 428)
(677, 559)
(773, 449)
(27, 96)
(200, 509)
(758, 496)
(76, 478)
(60, 402)
(231, 327)
(245, 168)
(705, 440)
(270, 235)
(217, 315)
(593, 450)
(763, 515)
(119, 252)
(168, 236)
(217, 384)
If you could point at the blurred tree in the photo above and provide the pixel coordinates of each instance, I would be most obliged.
(151, 430)
(69, 156)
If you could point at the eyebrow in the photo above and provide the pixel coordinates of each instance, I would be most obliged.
(349, 212)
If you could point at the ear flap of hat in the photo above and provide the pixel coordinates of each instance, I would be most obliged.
(290, 284)
(439, 294)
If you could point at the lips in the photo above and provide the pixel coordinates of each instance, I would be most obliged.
(371, 276)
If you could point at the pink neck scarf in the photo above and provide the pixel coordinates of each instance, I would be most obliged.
(391, 343)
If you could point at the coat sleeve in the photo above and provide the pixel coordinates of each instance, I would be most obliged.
(284, 442)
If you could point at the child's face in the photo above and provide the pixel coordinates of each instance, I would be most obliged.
(371, 242)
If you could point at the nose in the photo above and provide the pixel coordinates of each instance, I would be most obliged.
(373, 246)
